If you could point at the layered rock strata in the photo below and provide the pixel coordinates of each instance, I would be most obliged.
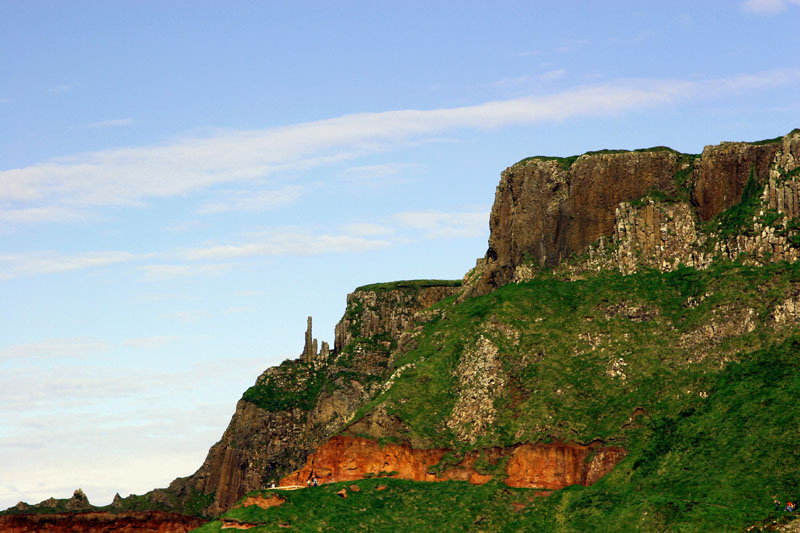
(550, 466)
(547, 210)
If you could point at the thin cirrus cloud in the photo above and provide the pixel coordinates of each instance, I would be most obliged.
(254, 201)
(371, 174)
(767, 7)
(130, 176)
(438, 225)
(283, 241)
(113, 123)
(13, 265)
(166, 272)
(55, 349)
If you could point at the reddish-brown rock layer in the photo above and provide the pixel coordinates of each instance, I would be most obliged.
(265, 502)
(544, 212)
(723, 172)
(547, 466)
(99, 522)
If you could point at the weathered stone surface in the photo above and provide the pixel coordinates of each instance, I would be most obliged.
(255, 445)
(545, 466)
(723, 172)
(480, 377)
(265, 502)
(260, 445)
(543, 213)
(99, 522)
(381, 316)
(555, 466)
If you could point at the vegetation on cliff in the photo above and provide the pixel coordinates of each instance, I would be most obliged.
(713, 465)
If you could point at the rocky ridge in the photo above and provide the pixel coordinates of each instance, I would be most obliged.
(295, 407)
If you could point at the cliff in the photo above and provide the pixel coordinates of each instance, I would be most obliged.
(633, 316)
(632, 311)
(295, 407)
(547, 210)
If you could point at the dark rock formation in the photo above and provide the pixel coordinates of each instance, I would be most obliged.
(546, 210)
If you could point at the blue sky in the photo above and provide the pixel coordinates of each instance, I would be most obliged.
(182, 183)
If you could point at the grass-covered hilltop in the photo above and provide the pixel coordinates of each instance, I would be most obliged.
(624, 358)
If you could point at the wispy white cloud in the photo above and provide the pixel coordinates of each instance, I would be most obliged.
(285, 241)
(511, 82)
(367, 229)
(148, 343)
(767, 7)
(113, 123)
(254, 201)
(55, 349)
(129, 176)
(437, 225)
(171, 271)
(49, 213)
(13, 265)
(551, 75)
(189, 317)
(371, 173)
(572, 45)
(63, 88)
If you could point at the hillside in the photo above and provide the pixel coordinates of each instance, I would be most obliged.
(622, 358)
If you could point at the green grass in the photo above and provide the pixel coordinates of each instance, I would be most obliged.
(566, 162)
(402, 506)
(556, 321)
(713, 466)
(410, 284)
(295, 386)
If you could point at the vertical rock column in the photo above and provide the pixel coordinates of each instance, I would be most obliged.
(309, 349)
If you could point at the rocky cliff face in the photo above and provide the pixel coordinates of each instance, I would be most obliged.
(295, 407)
(547, 210)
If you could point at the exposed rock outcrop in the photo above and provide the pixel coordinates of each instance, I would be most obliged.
(548, 210)
(295, 407)
(376, 316)
(546, 466)
(99, 522)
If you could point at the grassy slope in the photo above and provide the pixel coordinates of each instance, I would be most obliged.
(713, 467)
(569, 335)
(703, 359)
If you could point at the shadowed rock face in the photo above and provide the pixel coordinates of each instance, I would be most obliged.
(546, 466)
(99, 522)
